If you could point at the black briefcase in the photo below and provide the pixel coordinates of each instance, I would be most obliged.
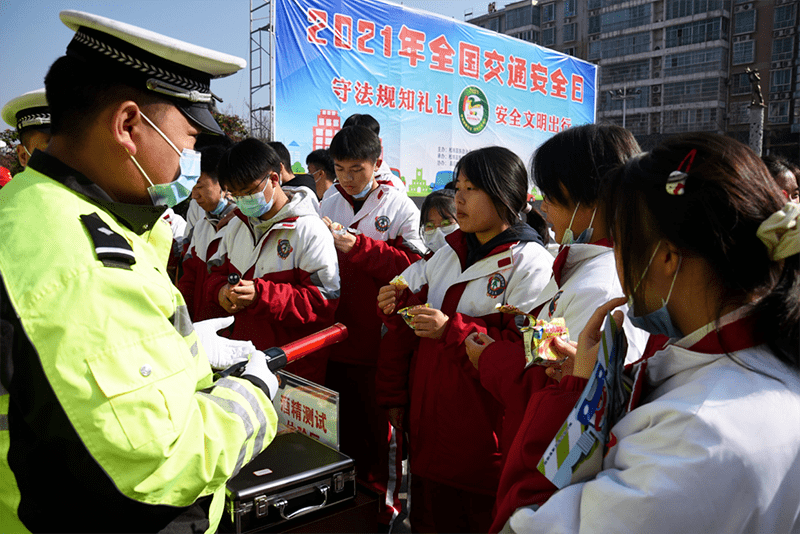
(295, 476)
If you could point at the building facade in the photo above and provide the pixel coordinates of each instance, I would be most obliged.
(671, 66)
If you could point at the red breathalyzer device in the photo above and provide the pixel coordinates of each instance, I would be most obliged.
(279, 357)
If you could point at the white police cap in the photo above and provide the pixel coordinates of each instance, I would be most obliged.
(147, 60)
(28, 111)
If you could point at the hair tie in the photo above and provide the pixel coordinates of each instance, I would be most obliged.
(676, 182)
(780, 232)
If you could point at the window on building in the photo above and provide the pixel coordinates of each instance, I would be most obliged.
(536, 15)
(621, 46)
(693, 62)
(744, 52)
(782, 48)
(549, 37)
(569, 8)
(595, 50)
(493, 24)
(694, 32)
(569, 32)
(740, 84)
(784, 17)
(779, 112)
(634, 100)
(628, 71)
(691, 120)
(569, 51)
(548, 13)
(685, 8)
(625, 18)
(594, 24)
(739, 112)
(522, 16)
(780, 80)
(691, 91)
(593, 4)
(744, 22)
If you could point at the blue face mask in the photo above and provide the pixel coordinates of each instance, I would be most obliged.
(658, 322)
(364, 192)
(220, 206)
(255, 205)
(175, 192)
(585, 236)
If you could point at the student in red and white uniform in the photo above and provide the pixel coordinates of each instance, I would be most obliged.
(382, 171)
(710, 254)
(376, 231)
(283, 254)
(568, 169)
(454, 423)
(206, 233)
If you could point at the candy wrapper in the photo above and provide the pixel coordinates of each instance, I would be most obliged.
(508, 308)
(409, 318)
(399, 282)
(538, 337)
(338, 229)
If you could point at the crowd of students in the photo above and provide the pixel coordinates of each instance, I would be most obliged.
(696, 234)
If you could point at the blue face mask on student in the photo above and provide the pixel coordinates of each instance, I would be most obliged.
(175, 192)
(364, 192)
(255, 205)
(657, 322)
(586, 235)
(220, 206)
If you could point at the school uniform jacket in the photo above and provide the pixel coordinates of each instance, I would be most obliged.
(584, 278)
(292, 261)
(205, 239)
(387, 241)
(714, 447)
(454, 421)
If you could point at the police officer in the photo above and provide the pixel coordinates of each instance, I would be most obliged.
(30, 115)
(114, 419)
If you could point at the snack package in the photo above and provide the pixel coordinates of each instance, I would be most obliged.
(399, 282)
(538, 337)
(409, 318)
(338, 229)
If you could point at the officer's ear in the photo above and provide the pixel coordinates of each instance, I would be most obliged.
(22, 155)
(126, 120)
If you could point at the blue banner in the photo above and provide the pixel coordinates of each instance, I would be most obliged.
(438, 87)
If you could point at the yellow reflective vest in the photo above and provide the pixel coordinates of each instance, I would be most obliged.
(110, 389)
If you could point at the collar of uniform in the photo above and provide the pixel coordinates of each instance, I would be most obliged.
(735, 331)
(138, 218)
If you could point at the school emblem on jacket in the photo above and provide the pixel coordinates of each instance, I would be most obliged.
(496, 285)
(382, 223)
(284, 248)
(552, 309)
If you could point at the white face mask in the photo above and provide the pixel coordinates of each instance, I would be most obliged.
(434, 238)
(175, 192)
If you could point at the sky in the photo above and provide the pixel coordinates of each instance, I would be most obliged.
(32, 36)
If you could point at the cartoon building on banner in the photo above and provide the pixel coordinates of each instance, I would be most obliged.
(438, 87)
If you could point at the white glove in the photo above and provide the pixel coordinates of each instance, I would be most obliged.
(221, 351)
(257, 372)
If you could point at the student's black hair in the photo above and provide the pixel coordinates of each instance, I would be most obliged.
(246, 163)
(283, 154)
(355, 143)
(781, 171)
(365, 120)
(443, 201)
(502, 175)
(728, 193)
(78, 92)
(322, 159)
(209, 159)
(577, 159)
(205, 139)
(537, 221)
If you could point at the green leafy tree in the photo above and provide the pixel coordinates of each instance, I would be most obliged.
(8, 156)
(233, 126)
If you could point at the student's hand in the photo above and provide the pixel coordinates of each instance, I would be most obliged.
(567, 350)
(225, 298)
(476, 343)
(244, 293)
(344, 243)
(396, 416)
(428, 322)
(387, 298)
(585, 356)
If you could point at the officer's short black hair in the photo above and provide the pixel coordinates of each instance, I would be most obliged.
(78, 92)
(363, 119)
(283, 154)
(355, 143)
(246, 163)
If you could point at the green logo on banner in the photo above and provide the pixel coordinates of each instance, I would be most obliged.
(473, 109)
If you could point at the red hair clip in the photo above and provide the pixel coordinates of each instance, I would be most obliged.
(676, 182)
